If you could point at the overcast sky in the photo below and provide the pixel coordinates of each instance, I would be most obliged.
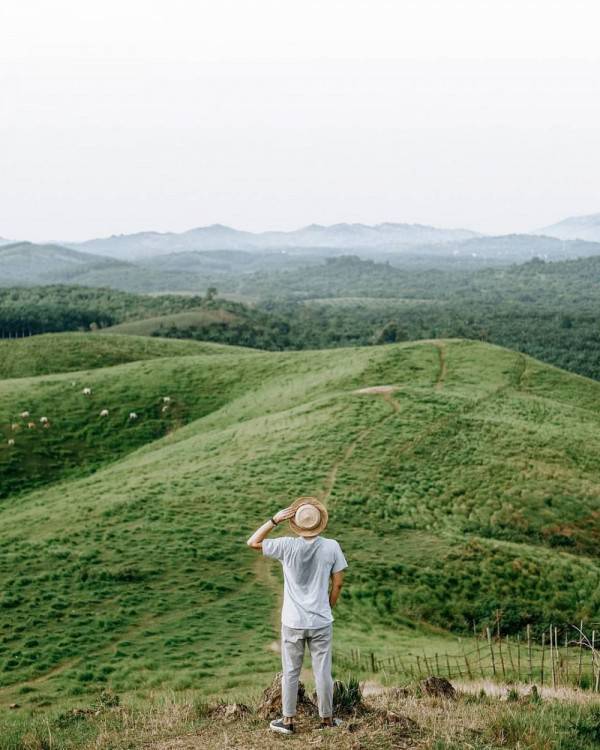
(125, 115)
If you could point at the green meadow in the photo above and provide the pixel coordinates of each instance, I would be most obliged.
(466, 489)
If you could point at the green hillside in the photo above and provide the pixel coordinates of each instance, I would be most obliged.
(51, 353)
(161, 324)
(471, 487)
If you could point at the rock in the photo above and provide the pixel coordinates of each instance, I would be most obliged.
(14, 705)
(438, 686)
(230, 711)
(270, 705)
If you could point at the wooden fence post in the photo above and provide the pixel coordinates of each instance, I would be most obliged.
(373, 665)
(510, 658)
(419, 666)
(552, 657)
(448, 666)
(468, 667)
(437, 666)
(543, 652)
(458, 667)
(476, 634)
(593, 660)
(489, 637)
(557, 656)
(429, 670)
(580, 663)
(501, 656)
(566, 657)
(529, 653)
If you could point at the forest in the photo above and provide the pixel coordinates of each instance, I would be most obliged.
(550, 310)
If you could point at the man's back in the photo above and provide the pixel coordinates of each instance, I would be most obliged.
(307, 568)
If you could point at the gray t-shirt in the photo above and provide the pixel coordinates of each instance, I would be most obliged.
(307, 568)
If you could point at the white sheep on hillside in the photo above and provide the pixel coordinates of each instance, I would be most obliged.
(132, 415)
(15, 426)
(104, 413)
(31, 425)
(166, 399)
(164, 409)
(24, 414)
(87, 391)
(43, 420)
(11, 442)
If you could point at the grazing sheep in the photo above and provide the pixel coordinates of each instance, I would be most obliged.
(166, 399)
(24, 414)
(31, 425)
(15, 426)
(87, 391)
(46, 425)
(164, 409)
(132, 415)
(44, 420)
(104, 413)
(11, 442)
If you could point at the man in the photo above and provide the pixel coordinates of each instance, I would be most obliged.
(309, 562)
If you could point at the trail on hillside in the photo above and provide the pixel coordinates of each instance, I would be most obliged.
(333, 471)
(443, 367)
(265, 574)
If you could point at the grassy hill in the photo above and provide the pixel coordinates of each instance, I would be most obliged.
(190, 319)
(52, 353)
(470, 488)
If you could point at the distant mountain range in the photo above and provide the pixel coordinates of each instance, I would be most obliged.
(28, 264)
(576, 228)
(219, 255)
(217, 237)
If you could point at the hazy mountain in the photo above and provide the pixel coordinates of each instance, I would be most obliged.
(218, 237)
(28, 264)
(25, 263)
(511, 248)
(576, 227)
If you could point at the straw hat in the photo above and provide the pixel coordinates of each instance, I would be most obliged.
(310, 518)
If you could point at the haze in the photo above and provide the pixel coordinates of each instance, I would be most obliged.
(124, 116)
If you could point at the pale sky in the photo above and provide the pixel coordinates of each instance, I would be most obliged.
(126, 115)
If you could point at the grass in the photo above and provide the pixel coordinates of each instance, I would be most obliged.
(397, 719)
(55, 352)
(161, 324)
(471, 488)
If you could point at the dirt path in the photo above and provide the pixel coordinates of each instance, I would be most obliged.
(386, 392)
(443, 367)
(265, 574)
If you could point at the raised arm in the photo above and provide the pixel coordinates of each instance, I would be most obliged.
(337, 581)
(256, 539)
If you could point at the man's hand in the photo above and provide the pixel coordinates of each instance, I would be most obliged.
(256, 539)
(337, 581)
(283, 515)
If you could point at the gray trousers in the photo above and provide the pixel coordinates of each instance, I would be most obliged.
(319, 642)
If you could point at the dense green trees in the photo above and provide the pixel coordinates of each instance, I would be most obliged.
(548, 310)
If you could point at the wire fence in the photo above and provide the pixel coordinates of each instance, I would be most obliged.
(562, 656)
